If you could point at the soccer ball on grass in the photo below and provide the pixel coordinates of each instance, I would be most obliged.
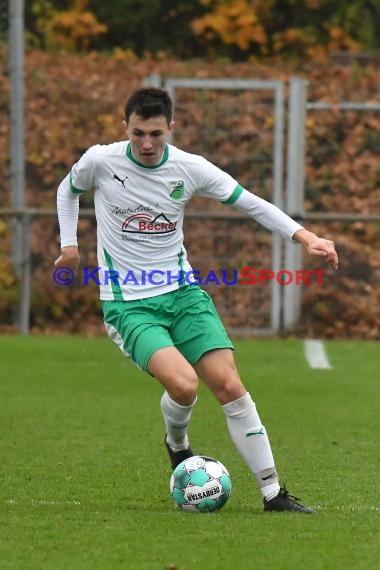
(200, 484)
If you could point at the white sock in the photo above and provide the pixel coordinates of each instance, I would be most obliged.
(176, 419)
(251, 440)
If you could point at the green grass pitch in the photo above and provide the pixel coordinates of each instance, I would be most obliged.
(84, 475)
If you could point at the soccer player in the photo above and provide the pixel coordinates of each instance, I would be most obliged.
(166, 325)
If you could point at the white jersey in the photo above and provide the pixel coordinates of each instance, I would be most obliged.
(139, 212)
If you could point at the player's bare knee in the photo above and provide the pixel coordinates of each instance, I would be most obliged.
(228, 390)
(185, 390)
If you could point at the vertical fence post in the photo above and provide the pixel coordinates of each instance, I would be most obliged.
(294, 195)
(278, 150)
(26, 275)
(17, 145)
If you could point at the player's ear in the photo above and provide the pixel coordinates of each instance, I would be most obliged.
(125, 126)
(171, 125)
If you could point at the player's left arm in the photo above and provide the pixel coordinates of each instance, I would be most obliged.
(315, 245)
(275, 220)
(214, 183)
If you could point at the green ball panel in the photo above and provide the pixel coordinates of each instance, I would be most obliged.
(179, 497)
(198, 477)
(207, 505)
(225, 481)
(222, 501)
(182, 479)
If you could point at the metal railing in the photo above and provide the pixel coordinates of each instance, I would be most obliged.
(287, 303)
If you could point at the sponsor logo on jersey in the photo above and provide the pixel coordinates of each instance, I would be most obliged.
(176, 189)
(118, 210)
(146, 224)
(119, 179)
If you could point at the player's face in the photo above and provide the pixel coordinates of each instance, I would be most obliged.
(148, 137)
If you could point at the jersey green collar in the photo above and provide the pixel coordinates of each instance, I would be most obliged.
(165, 157)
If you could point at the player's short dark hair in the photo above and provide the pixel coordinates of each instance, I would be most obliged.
(149, 102)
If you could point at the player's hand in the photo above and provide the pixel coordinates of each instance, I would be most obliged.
(69, 258)
(315, 245)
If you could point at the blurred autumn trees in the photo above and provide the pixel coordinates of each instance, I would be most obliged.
(85, 57)
(74, 101)
(236, 29)
(68, 25)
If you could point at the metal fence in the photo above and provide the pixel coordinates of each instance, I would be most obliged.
(231, 240)
(263, 305)
(299, 107)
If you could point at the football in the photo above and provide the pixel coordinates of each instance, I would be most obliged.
(200, 484)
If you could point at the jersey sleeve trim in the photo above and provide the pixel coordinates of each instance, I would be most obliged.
(234, 196)
(73, 189)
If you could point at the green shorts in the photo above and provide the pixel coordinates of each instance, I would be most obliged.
(185, 318)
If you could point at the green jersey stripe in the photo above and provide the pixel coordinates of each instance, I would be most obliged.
(181, 267)
(116, 289)
(72, 187)
(234, 196)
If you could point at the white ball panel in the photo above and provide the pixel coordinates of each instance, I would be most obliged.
(194, 463)
(190, 508)
(214, 469)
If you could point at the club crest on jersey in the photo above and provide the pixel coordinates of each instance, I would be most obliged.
(176, 189)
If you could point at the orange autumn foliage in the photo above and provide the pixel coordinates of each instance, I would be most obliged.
(74, 28)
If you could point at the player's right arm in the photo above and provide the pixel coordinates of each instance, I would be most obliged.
(68, 209)
(80, 179)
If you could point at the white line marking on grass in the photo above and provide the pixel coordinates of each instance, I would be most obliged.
(44, 502)
(347, 508)
(315, 354)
